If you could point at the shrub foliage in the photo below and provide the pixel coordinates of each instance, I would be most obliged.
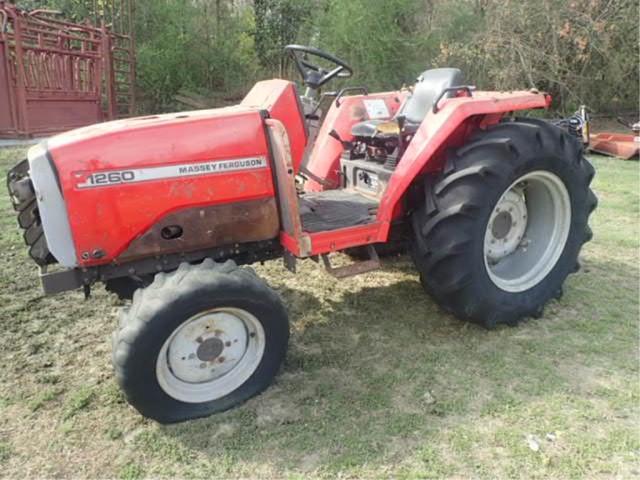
(581, 51)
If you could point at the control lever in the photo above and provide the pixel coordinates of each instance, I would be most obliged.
(401, 120)
(346, 145)
(312, 115)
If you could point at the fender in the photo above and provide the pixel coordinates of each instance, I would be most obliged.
(438, 130)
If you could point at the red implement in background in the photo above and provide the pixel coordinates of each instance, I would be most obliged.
(621, 145)
(56, 75)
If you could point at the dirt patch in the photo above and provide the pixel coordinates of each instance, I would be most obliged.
(276, 408)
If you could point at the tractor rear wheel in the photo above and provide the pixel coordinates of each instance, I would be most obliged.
(501, 227)
(199, 340)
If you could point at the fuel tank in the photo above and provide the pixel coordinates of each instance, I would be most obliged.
(154, 185)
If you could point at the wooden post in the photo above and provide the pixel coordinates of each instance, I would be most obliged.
(98, 69)
(132, 55)
(6, 66)
(21, 87)
(109, 77)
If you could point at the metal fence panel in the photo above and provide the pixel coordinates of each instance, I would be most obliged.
(59, 75)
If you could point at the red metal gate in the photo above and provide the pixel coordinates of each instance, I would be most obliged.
(56, 75)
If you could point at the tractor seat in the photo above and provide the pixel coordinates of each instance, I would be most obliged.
(379, 127)
(425, 91)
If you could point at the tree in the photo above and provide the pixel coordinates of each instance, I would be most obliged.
(387, 42)
(277, 23)
(582, 52)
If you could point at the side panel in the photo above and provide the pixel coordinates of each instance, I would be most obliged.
(280, 99)
(324, 160)
(120, 179)
(285, 178)
(437, 131)
(206, 226)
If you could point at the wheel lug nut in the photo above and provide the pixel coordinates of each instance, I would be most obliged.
(203, 365)
(192, 356)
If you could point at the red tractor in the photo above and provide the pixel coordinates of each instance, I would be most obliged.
(167, 208)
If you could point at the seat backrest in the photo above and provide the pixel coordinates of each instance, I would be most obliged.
(427, 88)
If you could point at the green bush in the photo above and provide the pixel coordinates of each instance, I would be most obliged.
(582, 51)
(384, 41)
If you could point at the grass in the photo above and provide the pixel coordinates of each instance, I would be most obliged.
(378, 381)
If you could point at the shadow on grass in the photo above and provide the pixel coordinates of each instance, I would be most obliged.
(382, 373)
(358, 387)
(380, 377)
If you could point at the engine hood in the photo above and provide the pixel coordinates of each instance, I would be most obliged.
(117, 179)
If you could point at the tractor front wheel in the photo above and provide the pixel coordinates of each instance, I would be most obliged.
(501, 227)
(199, 340)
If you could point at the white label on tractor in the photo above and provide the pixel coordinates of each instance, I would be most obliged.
(134, 175)
(376, 108)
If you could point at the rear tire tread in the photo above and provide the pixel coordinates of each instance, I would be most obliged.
(459, 192)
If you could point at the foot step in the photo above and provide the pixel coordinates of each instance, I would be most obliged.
(356, 268)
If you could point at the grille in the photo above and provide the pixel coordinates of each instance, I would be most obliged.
(23, 198)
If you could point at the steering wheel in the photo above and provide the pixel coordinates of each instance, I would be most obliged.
(314, 76)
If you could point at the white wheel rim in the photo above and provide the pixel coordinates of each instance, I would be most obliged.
(527, 231)
(210, 355)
